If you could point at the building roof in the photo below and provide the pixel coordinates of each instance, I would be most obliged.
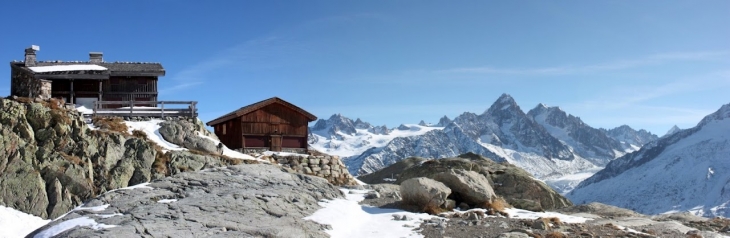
(57, 68)
(253, 107)
(113, 68)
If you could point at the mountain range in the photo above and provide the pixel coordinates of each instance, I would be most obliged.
(547, 142)
(685, 170)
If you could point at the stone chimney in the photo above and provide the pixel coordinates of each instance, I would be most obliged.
(96, 57)
(30, 56)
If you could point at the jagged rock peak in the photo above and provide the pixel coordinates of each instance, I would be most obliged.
(359, 124)
(504, 102)
(444, 121)
(422, 123)
(336, 123)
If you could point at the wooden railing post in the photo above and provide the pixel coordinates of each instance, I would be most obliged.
(162, 111)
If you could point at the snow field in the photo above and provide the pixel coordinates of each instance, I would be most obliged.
(350, 219)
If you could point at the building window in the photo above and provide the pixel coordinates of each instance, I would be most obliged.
(224, 129)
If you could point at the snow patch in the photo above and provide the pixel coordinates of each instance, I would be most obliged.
(14, 223)
(229, 152)
(59, 68)
(152, 129)
(167, 201)
(350, 219)
(66, 225)
(525, 214)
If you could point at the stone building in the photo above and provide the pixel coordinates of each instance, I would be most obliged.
(84, 82)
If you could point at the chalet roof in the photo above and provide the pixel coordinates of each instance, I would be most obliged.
(253, 107)
(114, 68)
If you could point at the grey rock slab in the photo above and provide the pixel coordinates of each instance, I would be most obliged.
(254, 201)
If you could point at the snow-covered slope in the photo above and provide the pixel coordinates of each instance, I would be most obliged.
(686, 171)
(586, 141)
(340, 136)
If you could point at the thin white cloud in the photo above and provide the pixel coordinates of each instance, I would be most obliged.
(608, 66)
(260, 53)
(631, 96)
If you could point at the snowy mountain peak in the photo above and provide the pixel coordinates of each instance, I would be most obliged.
(586, 141)
(506, 98)
(422, 123)
(672, 130)
(720, 114)
(504, 103)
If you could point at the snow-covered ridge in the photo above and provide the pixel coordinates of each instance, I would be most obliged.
(685, 171)
(342, 137)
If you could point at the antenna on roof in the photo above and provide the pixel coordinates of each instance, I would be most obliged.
(35, 47)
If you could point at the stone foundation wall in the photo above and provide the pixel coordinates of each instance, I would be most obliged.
(25, 85)
(328, 167)
(264, 149)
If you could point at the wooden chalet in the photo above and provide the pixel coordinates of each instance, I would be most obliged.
(272, 124)
(85, 82)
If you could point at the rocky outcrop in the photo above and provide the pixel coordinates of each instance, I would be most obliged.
(236, 201)
(424, 193)
(50, 161)
(512, 183)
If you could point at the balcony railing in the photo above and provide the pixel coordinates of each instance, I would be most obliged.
(155, 109)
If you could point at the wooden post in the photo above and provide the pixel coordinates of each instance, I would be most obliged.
(162, 110)
(131, 107)
(192, 110)
(100, 90)
(71, 95)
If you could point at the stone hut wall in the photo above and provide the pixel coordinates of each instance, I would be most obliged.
(328, 167)
(25, 85)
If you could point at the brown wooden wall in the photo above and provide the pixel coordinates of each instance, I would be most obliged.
(275, 119)
(255, 128)
(231, 137)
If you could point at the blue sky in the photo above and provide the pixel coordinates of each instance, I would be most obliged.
(647, 64)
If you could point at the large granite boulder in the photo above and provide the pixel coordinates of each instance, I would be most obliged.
(512, 183)
(467, 186)
(186, 134)
(236, 201)
(424, 194)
